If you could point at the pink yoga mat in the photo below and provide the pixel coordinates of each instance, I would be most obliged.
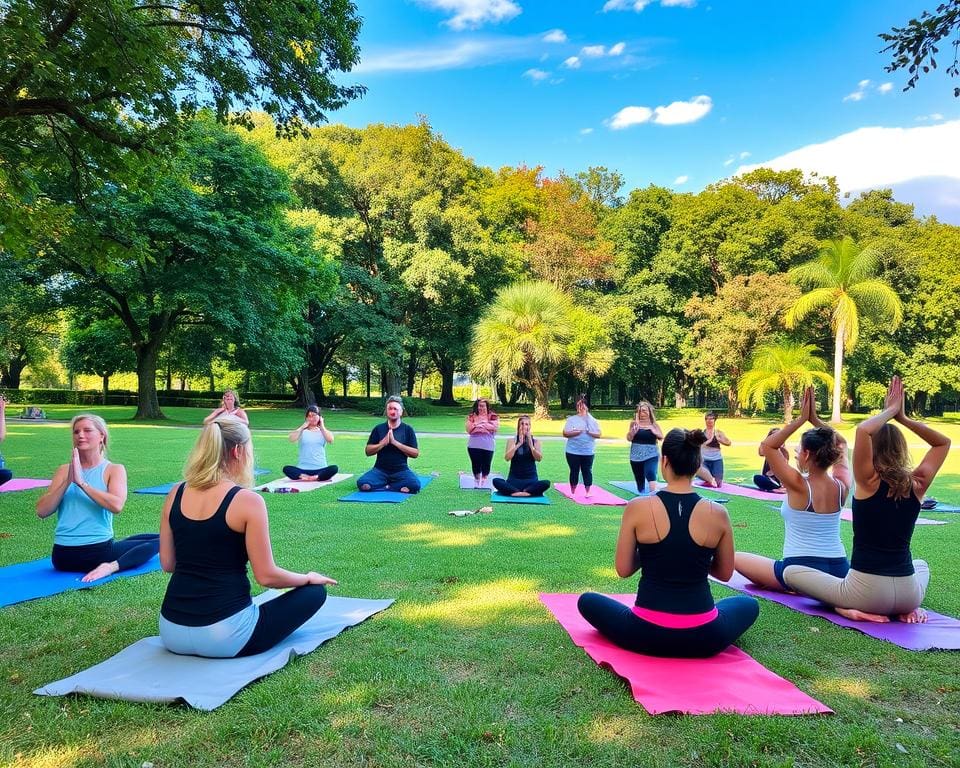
(731, 681)
(741, 490)
(23, 484)
(597, 496)
(847, 515)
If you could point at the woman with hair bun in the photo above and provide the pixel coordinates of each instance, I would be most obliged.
(210, 526)
(676, 539)
(884, 580)
(816, 491)
(86, 493)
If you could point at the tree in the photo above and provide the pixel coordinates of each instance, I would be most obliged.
(209, 246)
(523, 335)
(28, 319)
(843, 281)
(784, 366)
(100, 349)
(916, 43)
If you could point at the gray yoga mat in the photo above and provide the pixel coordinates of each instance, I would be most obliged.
(146, 671)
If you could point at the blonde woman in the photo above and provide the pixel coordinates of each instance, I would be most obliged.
(643, 434)
(210, 526)
(86, 493)
(229, 406)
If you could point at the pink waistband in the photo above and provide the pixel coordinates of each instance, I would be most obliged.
(675, 620)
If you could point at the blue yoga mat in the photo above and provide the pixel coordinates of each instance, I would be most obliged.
(519, 499)
(163, 490)
(628, 485)
(386, 497)
(37, 578)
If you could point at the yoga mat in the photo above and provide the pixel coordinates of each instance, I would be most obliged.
(159, 490)
(500, 498)
(938, 633)
(740, 490)
(302, 486)
(23, 484)
(37, 578)
(847, 514)
(731, 681)
(629, 485)
(386, 497)
(146, 671)
(598, 496)
(468, 483)
(942, 507)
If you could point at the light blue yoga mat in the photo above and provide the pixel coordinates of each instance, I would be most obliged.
(146, 671)
(499, 497)
(37, 578)
(628, 485)
(386, 497)
(163, 490)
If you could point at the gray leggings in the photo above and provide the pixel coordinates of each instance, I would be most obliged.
(885, 595)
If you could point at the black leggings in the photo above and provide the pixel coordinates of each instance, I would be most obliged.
(514, 485)
(480, 461)
(322, 474)
(767, 482)
(5, 476)
(282, 615)
(624, 628)
(580, 465)
(644, 472)
(129, 553)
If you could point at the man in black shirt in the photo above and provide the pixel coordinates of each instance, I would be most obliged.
(393, 443)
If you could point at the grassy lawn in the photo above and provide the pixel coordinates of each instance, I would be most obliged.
(467, 668)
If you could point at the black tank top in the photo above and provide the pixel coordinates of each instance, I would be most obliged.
(673, 572)
(882, 528)
(209, 581)
(713, 442)
(522, 465)
(644, 437)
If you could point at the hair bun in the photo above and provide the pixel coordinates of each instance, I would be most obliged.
(696, 437)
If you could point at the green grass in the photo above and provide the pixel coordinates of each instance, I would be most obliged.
(467, 668)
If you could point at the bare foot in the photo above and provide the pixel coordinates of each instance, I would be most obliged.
(365, 487)
(854, 615)
(404, 489)
(102, 571)
(310, 478)
(779, 490)
(520, 493)
(916, 616)
(588, 493)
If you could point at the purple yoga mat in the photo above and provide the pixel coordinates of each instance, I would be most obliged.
(598, 496)
(740, 490)
(938, 633)
(23, 484)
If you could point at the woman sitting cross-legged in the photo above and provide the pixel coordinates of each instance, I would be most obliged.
(523, 453)
(811, 509)
(884, 580)
(675, 539)
(210, 526)
(312, 438)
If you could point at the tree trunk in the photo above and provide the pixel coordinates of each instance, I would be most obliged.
(169, 378)
(106, 388)
(213, 383)
(787, 404)
(411, 374)
(621, 393)
(14, 372)
(148, 407)
(837, 372)
(368, 380)
(346, 380)
(731, 402)
(301, 388)
(446, 367)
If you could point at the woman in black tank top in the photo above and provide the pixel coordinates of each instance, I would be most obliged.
(676, 540)
(211, 525)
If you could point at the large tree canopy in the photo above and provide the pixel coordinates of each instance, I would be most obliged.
(915, 46)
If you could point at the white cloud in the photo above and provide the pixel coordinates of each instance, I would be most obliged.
(586, 131)
(470, 14)
(474, 52)
(885, 87)
(680, 112)
(639, 5)
(678, 3)
(536, 75)
(934, 117)
(744, 155)
(676, 113)
(868, 158)
(555, 36)
(729, 161)
(858, 94)
(573, 62)
(681, 180)
(593, 51)
(616, 50)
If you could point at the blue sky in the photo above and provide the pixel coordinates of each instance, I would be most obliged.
(680, 92)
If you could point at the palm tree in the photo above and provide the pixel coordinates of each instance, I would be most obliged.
(843, 279)
(523, 335)
(786, 366)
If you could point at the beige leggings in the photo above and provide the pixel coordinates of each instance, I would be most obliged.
(885, 595)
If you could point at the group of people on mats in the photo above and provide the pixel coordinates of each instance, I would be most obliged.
(213, 524)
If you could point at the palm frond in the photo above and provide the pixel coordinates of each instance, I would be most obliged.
(807, 303)
(878, 301)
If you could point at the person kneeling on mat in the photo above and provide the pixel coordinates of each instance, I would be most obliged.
(392, 442)
(675, 539)
(210, 526)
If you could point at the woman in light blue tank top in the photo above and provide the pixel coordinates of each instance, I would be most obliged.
(814, 498)
(85, 494)
(312, 438)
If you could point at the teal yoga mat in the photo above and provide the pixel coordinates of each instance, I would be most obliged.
(386, 497)
(497, 497)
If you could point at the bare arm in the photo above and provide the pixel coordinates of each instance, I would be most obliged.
(327, 434)
(48, 503)
(511, 449)
(625, 559)
(723, 559)
(535, 450)
(213, 414)
(115, 496)
(632, 430)
(373, 448)
(722, 438)
(168, 554)
(242, 415)
(294, 436)
(3, 418)
(656, 429)
(939, 444)
(592, 422)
